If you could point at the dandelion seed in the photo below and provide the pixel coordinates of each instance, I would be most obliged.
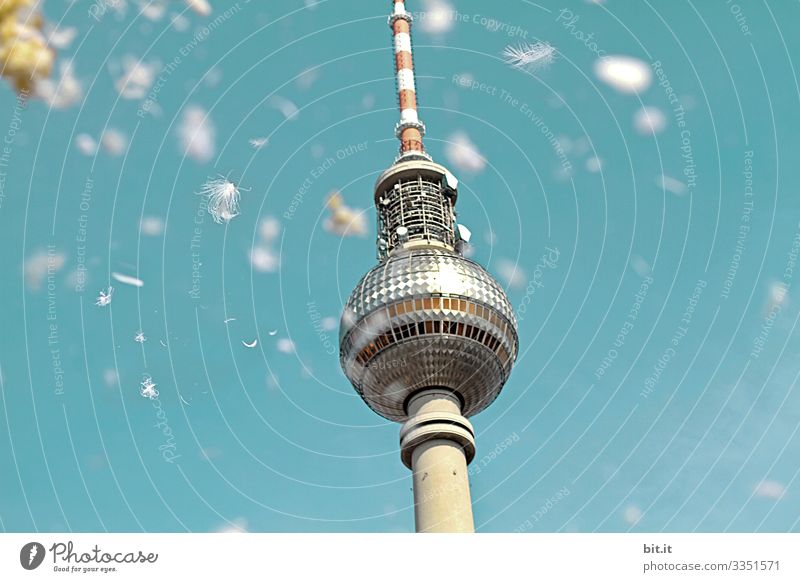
(632, 515)
(86, 144)
(307, 78)
(770, 490)
(529, 57)
(104, 298)
(581, 146)
(594, 164)
(672, 185)
(264, 259)
(197, 134)
(238, 525)
(62, 92)
(61, 38)
(110, 377)
(649, 120)
(127, 280)
(317, 151)
(273, 332)
(154, 11)
(777, 293)
(463, 153)
(343, 220)
(269, 229)
(285, 346)
(229, 320)
(348, 319)
(180, 23)
(148, 389)
(511, 273)
(222, 197)
(140, 338)
(202, 7)
(137, 77)
(439, 17)
(286, 107)
(120, 7)
(623, 73)
(213, 77)
(640, 266)
(258, 142)
(777, 296)
(41, 264)
(151, 226)
(252, 344)
(114, 142)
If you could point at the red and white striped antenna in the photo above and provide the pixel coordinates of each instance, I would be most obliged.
(410, 130)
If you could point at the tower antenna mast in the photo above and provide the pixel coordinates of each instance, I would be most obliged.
(410, 130)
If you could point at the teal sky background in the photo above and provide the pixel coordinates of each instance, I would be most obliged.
(265, 440)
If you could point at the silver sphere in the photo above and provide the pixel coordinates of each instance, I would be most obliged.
(423, 318)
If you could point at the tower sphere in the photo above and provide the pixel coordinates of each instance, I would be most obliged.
(425, 316)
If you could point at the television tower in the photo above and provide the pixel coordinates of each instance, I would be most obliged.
(428, 337)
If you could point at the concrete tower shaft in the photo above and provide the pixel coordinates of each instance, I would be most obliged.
(437, 444)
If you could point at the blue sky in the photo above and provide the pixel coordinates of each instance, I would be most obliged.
(655, 387)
